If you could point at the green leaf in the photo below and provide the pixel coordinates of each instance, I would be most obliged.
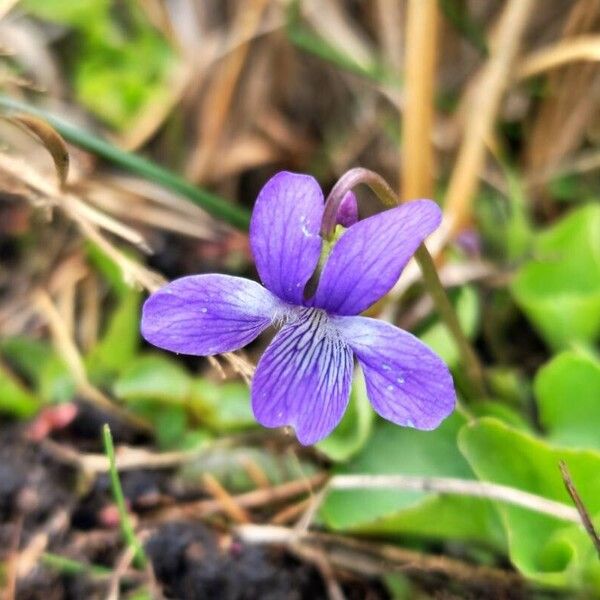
(499, 410)
(396, 450)
(438, 338)
(221, 406)
(153, 377)
(108, 268)
(56, 384)
(559, 291)
(350, 436)
(15, 400)
(28, 356)
(169, 422)
(38, 362)
(567, 390)
(122, 62)
(120, 342)
(543, 548)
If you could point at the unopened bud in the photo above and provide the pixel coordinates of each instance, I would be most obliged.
(347, 212)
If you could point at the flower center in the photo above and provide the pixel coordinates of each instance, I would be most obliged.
(315, 321)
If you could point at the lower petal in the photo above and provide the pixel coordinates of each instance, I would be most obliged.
(208, 314)
(407, 383)
(303, 379)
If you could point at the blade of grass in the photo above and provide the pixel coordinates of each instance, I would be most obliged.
(69, 566)
(140, 559)
(218, 207)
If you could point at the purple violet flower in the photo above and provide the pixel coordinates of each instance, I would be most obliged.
(303, 379)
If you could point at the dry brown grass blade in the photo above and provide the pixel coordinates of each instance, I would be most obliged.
(372, 559)
(87, 218)
(227, 501)
(334, 24)
(50, 138)
(219, 97)
(484, 103)
(417, 164)
(571, 101)
(582, 48)
(584, 514)
(256, 498)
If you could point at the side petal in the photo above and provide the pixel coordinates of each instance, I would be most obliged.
(284, 233)
(303, 379)
(407, 383)
(208, 314)
(369, 257)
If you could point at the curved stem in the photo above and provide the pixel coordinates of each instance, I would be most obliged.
(346, 183)
(380, 187)
(218, 207)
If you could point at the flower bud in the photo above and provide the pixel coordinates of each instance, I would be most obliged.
(347, 212)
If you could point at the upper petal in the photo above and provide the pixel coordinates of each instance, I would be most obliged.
(303, 379)
(369, 257)
(407, 382)
(208, 314)
(284, 233)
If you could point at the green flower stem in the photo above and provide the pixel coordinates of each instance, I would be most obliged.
(380, 187)
(140, 559)
(218, 207)
(469, 359)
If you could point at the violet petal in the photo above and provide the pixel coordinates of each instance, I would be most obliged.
(208, 314)
(284, 233)
(367, 260)
(407, 383)
(303, 379)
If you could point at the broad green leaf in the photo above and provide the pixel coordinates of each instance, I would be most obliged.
(499, 410)
(223, 406)
(15, 400)
(28, 356)
(354, 430)
(437, 336)
(49, 376)
(559, 290)
(120, 342)
(153, 377)
(122, 62)
(567, 390)
(56, 384)
(543, 548)
(169, 422)
(396, 450)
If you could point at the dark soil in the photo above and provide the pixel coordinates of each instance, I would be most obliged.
(190, 559)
